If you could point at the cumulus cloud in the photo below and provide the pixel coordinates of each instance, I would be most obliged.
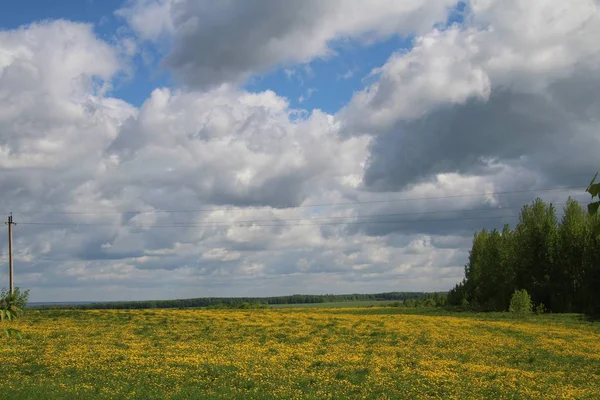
(101, 156)
(515, 85)
(53, 114)
(227, 146)
(216, 42)
(271, 200)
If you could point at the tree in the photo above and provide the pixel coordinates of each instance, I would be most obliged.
(574, 241)
(508, 262)
(457, 296)
(556, 262)
(475, 269)
(537, 238)
(492, 276)
(592, 275)
(520, 303)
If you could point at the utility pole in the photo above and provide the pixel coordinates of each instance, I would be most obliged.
(11, 281)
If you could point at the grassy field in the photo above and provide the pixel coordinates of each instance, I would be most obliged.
(374, 353)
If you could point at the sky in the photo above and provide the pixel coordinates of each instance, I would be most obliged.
(161, 149)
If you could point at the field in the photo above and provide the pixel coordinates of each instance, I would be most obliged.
(374, 353)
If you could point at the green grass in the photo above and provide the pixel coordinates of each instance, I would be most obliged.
(303, 353)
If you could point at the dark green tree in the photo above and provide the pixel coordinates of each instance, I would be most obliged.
(475, 268)
(573, 258)
(508, 263)
(537, 238)
(556, 263)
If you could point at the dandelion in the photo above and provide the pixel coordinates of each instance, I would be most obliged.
(295, 354)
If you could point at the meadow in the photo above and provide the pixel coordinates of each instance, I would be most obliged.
(316, 353)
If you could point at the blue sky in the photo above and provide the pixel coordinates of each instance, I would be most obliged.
(326, 84)
(136, 87)
(22, 12)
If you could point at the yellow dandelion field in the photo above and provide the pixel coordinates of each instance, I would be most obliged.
(375, 353)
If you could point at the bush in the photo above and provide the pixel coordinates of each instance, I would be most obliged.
(11, 306)
(520, 303)
(540, 308)
(18, 299)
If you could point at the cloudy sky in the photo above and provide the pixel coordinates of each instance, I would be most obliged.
(156, 149)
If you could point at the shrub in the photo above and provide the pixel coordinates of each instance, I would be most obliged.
(11, 306)
(520, 303)
(18, 299)
(540, 308)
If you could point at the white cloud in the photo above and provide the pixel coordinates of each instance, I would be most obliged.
(50, 79)
(221, 254)
(437, 71)
(348, 74)
(513, 86)
(470, 109)
(524, 47)
(150, 19)
(228, 146)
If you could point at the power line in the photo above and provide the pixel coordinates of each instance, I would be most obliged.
(233, 208)
(280, 221)
(370, 215)
(204, 225)
(212, 223)
(509, 217)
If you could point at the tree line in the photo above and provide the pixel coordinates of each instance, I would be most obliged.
(236, 302)
(557, 261)
(438, 299)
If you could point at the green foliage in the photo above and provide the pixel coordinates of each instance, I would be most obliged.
(592, 306)
(11, 306)
(594, 190)
(540, 309)
(556, 262)
(12, 332)
(18, 298)
(236, 302)
(240, 306)
(431, 300)
(520, 303)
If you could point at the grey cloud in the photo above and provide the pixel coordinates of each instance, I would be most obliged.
(228, 41)
(534, 130)
(477, 98)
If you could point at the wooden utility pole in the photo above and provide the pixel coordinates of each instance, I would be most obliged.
(11, 281)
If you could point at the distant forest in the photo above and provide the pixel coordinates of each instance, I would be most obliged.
(237, 301)
(556, 261)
